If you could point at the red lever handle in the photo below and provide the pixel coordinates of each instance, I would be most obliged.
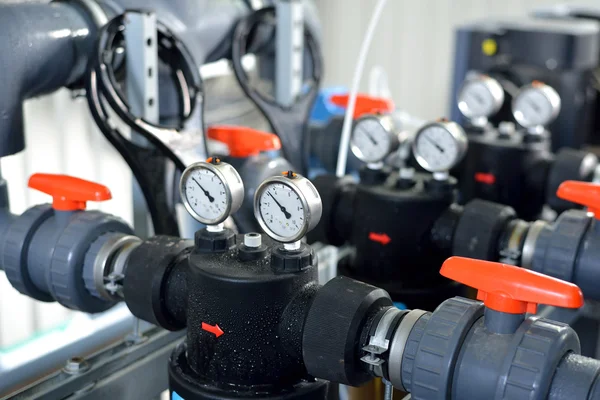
(242, 141)
(511, 289)
(69, 193)
(365, 104)
(583, 193)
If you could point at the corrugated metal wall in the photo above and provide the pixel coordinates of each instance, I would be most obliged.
(414, 43)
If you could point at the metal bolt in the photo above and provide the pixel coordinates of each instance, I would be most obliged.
(253, 240)
(389, 390)
(76, 365)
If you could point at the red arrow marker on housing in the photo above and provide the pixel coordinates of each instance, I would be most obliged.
(382, 238)
(212, 329)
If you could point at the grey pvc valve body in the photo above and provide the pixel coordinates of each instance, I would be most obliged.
(44, 254)
(569, 250)
(461, 351)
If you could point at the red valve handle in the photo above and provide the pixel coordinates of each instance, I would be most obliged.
(69, 193)
(243, 141)
(511, 289)
(365, 104)
(583, 193)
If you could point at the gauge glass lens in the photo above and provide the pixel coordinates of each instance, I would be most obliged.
(532, 108)
(370, 140)
(282, 210)
(476, 100)
(438, 148)
(206, 195)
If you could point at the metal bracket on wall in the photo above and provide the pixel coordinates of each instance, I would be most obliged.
(142, 93)
(110, 373)
(289, 51)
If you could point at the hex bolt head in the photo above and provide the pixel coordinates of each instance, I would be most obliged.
(76, 365)
(252, 240)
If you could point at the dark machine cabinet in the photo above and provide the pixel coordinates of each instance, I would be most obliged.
(562, 54)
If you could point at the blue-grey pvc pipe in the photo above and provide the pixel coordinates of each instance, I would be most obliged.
(43, 47)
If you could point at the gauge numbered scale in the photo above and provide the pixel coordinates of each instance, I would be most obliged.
(211, 191)
(373, 138)
(287, 207)
(439, 146)
(480, 97)
(536, 105)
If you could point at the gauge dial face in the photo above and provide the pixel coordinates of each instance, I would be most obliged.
(282, 210)
(480, 97)
(536, 106)
(206, 195)
(439, 146)
(371, 141)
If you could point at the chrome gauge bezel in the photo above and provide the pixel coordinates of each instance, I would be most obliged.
(309, 197)
(232, 184)
(457, 133)
(548, 92)
(493, 86)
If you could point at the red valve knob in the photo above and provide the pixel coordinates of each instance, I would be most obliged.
(510, 289)
(365, 104)
(242, 141)
(584, 193)
(69, 193)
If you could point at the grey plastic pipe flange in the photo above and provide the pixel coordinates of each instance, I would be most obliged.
(398, 344)
(16, 245)
(65, 281)
(106, 255)
(557, 246)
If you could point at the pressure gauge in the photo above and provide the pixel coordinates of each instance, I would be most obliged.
(480, 97)
(373, 138)
(211, 191)
(439, 146)
(536, 105)
(287, 207)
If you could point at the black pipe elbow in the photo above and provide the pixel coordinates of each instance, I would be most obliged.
(337, 197)
(154, 286)
(43, 48)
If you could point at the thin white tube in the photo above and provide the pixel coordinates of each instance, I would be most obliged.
(360, 64)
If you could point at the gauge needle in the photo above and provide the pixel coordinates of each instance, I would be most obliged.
(534, 106)
(371, 138)
(478, 98)
(283, 210)
(437, 146)
(210, 198)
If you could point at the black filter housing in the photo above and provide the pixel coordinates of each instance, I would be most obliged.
(260, 310)
(391, 226)
(506, 170)
(391, 231)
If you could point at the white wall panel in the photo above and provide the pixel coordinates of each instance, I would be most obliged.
(414, 43)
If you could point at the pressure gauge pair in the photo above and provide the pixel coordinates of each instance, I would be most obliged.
(535, 105)
(286, 206)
